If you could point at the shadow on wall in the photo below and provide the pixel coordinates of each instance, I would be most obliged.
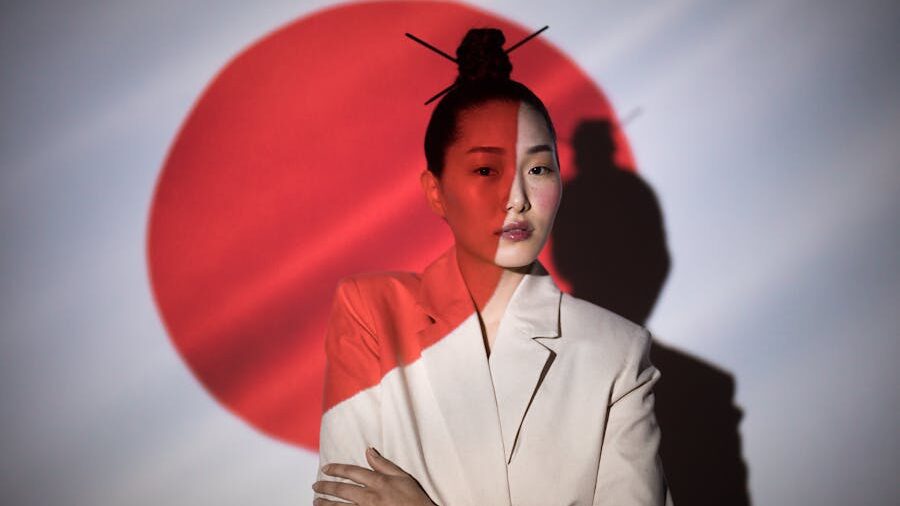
(609, 243)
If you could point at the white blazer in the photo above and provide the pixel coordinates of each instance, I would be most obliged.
(561, 413)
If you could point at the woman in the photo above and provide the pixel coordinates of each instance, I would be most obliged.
(478, 381)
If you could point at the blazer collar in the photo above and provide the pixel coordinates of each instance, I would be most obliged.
(533, 307)
(442, 293)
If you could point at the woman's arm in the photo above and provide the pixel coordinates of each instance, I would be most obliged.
(351, 420)
(630, 471)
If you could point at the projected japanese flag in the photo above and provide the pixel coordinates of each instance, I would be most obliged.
(297, 166)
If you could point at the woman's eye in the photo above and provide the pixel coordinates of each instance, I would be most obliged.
(484, 171)
(540, 170)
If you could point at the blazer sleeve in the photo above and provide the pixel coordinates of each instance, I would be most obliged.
(630, 470)
(351, 419)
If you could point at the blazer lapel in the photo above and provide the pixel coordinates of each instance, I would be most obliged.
(457, 368)
(519, 361)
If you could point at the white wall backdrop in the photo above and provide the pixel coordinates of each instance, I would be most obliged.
(769, 130)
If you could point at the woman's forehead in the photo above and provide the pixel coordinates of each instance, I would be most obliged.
(491, 123)
(502, 124)
(532, 128)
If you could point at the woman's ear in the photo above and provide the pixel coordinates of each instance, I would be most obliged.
(432, 189)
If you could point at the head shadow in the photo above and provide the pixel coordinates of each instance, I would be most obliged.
(609, 242)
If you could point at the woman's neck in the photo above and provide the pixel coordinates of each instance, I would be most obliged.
(490, 285)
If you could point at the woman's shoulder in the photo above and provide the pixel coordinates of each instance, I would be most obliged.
(597, 327)
(374, 288)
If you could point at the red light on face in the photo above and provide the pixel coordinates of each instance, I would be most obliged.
(478, 173)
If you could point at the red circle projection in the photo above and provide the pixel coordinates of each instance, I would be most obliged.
(299, 165)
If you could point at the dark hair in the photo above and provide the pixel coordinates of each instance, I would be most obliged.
(484, 70)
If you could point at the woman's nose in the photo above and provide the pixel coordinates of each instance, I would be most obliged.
(517, 200)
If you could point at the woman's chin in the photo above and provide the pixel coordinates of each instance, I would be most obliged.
(515, 256)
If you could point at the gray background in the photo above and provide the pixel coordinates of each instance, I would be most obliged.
(769, 131)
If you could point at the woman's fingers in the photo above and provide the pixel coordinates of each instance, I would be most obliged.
(387, 484)
(383, 465)
(325, 502)
(348, 491)
(358, 474)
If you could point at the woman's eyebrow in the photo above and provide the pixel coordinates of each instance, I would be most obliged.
(539, 148)
(485, 149)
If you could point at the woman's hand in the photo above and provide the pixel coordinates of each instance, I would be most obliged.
(385, 485)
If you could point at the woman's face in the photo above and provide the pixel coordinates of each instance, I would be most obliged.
(500, 188)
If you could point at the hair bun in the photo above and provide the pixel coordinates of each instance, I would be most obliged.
(481, 57)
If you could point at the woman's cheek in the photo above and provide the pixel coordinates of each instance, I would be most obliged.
(480, 203)
(481, 218)
(545, 196)
(471, 209)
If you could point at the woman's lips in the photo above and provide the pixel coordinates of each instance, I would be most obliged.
(516, 231)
